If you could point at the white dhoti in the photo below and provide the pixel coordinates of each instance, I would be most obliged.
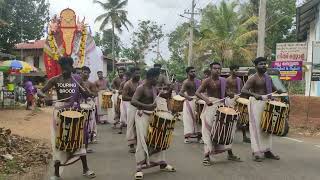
(123, 112)
(115, 103)
(231, 102)
(208, 117)
(131, 127)
(143, 158)
(62, 156)
(92, 129)
(102, 113)
(260, 141)
(190, 124)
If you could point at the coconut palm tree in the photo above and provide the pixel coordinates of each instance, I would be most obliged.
(116, 16)
(225, 35)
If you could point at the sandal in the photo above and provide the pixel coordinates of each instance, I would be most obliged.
(246, 140)
(234, 158)
(138, 175)
(168, 168)
(55, 178)
(201, 141)
(89, 174)
(132, 150)
(257, 159)
(270, 155)
(206, 162)
(187, 141)
(89, 150)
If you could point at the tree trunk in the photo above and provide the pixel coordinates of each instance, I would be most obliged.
(113, 54)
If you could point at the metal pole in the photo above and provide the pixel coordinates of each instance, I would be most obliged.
(191, 34)
(261, 28)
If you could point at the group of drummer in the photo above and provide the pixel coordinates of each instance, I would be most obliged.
(142, 106)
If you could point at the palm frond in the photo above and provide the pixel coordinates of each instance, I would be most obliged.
(121, 4)
(102, 16)
(103, 5)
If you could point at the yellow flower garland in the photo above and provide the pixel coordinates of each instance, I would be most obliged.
(82, 48)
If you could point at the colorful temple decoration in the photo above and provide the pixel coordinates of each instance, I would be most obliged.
(67, 36)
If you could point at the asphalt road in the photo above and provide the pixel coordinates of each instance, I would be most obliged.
(300, 159)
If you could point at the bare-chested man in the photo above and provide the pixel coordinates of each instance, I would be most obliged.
(259, 87)
(90, 104)
(145, 100)
(215, 87)
(68, 87)
(188, 90)
(127, 93)
(103, 86)
(123, 104)
(101, 83)
(234, 86)
(116, 82)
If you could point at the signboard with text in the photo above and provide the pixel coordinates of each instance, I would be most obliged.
(291, 52)
(289, 70)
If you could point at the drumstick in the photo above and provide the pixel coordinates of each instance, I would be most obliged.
(223, 99)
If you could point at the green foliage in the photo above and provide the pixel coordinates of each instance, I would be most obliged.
(25, 21)
(114, 14)
(226, 34)
(145, 39)
(280, 21)
(104, 40)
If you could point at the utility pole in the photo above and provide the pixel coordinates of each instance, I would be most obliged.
(158, 49)
(192, 13)
(261, 28)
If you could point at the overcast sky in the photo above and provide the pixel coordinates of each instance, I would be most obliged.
(162, 11)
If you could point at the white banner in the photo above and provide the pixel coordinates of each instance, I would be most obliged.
(291, 52)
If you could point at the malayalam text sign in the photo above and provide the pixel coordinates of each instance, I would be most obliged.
(291, 52)
(289, 70)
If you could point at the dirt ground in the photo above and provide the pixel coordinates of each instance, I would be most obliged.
(305, 113)
(32, 124)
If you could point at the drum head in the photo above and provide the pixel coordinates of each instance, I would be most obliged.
(164, 115)
(178, 98)
(107, 93)
(228, 111)
(243, 101)
(85, 106)
(71, 114)
(278, 103)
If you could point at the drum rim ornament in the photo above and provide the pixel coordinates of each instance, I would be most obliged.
(152, 130)
(230, 130)
(62, 145)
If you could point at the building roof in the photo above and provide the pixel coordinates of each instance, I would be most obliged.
(37, 44)
(306, 14)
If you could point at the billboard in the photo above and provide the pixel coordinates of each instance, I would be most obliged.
(291, 52)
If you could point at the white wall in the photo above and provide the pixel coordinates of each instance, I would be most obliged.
(41, 64)
(313, 35)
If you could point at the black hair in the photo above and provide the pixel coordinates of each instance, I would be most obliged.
(153, 72)
(157, 65)
(233, 67)
(65, 61)
(189, 68)
(207, 71)
(134, 69)
(259, 59)
(214, 63)
(86, 68)
(99, 72)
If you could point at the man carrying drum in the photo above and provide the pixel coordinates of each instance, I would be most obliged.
(127, 93)
(90, 105)
(145, 100)
(259, 87)
(68, 87)
(215, 87)
(116, 82)
(234, 86)
(103, 86)
(189, 88)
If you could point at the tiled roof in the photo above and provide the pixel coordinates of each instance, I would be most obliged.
(38, 44)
